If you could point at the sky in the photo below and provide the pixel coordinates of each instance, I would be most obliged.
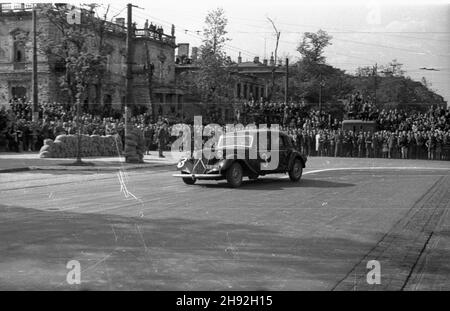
(365, 33)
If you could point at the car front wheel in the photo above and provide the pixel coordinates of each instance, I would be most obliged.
(189, 180)
(296, 171)
(234, 175)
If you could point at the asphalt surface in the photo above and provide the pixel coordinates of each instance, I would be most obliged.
(148, 230)
(26, 161)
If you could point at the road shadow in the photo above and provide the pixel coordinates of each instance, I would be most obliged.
(117, 252)
(278, 184)
(66, 172)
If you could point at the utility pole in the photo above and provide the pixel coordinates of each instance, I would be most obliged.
(150, 68)
(129, 73)
(287, 81)
(129, 58)
(320, 93)
(277, 33)
(375, 73)
(34, 77)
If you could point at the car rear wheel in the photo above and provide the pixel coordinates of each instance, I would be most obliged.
(234, 175)
(189, 180)
(296, 171)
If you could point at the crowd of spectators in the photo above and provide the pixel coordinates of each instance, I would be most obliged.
(406, 134)
(289, 115)
(24, 134)
(398, 134)
(432, 145)
(362, 108)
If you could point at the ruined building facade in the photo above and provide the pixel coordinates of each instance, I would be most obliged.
(150, 46)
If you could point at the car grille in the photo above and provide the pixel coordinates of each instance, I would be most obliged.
(199, 167)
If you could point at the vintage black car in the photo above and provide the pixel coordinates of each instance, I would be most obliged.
(239, 154)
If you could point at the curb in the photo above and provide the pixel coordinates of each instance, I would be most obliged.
(85, 168)
(14, 170)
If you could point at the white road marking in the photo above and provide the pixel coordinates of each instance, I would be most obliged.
(375, 168)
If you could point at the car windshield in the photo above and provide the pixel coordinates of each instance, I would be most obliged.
(235, 140)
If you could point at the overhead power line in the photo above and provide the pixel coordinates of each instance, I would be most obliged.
(194, 33)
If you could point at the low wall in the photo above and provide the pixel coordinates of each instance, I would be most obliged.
(65, 146)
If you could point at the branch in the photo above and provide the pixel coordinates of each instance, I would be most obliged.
(278, 38)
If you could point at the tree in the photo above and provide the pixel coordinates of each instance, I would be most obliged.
(80, 48)
(214, 80)
(214, 33)
(307, 79)
(365, 71)
(312, 46)
(427, 84)
(393, 69)
(277, 35)
(313, 78)
(4, 122)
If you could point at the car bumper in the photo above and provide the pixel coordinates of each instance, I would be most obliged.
(199, 176)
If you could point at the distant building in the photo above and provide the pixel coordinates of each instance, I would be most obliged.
(254, 78)
(16, 57)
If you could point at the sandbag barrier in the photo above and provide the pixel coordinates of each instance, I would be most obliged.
(65, 146)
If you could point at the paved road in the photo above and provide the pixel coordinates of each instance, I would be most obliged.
(13, 162)
(147, 230)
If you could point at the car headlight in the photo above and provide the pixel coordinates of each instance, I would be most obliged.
(219, 154)
(181, 163)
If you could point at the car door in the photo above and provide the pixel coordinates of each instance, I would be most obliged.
(264, 153)
(283, 154)
(251, 155)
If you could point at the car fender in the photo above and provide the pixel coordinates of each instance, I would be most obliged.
(226, 163)
(185, 165)
(296, 155)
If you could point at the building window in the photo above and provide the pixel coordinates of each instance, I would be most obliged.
(18, 56)
(2, 54)
(19, 92)
(19, 52)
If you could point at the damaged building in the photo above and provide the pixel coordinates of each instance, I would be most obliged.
(153, 51)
